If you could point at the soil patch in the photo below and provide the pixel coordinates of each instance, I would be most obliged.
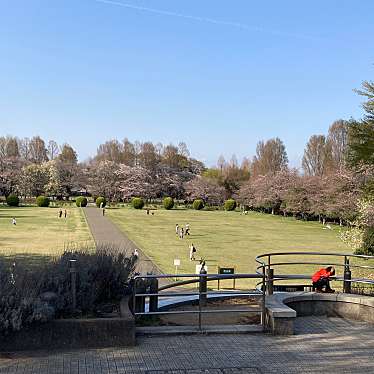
(243, 313)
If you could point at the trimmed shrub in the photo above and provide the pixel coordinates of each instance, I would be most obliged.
(81, 201)
(168, 203)
(42, 201)
(12, 200)
(41, 293)
(230, 204)
(137, 202)
(100, 200)
(198, 204)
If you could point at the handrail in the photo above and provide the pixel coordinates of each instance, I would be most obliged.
(265, 286)
(209, 277)
(304, 276)
(202, 293)
(221, 276)
(265, 261)
(272, 254)
(318, 263)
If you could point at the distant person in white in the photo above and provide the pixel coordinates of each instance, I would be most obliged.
(192, 252)
(14, 222)
(135, 254)
(181, 233)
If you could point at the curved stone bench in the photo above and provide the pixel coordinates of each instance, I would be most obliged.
(283, 308)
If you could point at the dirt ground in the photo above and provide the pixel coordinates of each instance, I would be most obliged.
(231, 318)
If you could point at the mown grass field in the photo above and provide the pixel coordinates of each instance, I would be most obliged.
(224, 238)
(39, 231)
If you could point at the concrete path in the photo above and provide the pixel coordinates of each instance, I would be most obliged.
(106, 233)
(322, 345)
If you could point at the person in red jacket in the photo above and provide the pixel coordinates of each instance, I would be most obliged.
(321, 279)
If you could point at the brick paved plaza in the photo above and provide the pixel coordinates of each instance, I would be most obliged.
(330, 345)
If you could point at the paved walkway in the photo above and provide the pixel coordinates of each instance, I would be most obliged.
(328, 345)
(106, 233)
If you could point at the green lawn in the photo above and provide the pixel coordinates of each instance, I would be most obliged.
(223, 238)
(39, 231)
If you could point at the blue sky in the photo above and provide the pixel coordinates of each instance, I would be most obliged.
(217, 74)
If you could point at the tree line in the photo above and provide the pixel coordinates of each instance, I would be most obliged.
(120, 170)
(337, 172)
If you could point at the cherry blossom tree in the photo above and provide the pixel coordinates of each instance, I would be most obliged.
(33, 180)
(207, 190)
(103, 180)
(134, 181)
(10, 170)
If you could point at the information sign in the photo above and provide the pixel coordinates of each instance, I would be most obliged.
(225, 270)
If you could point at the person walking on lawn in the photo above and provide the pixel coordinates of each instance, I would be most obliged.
(192, 252)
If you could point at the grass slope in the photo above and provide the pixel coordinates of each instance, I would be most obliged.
(223, 238)
(39, 231)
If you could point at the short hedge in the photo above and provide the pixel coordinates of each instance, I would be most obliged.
(137, 202)
(42, 201)
(230, 204)
(168, 203)
(101, 200)
(81, 201)
(12, 200)
(198, 204)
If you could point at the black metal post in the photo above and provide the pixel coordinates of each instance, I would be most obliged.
(153, 300)
(203, 287)
(263, 288)
(202, 292)
(347, 276)
(140, 287)
(270, 281)
(73, 277)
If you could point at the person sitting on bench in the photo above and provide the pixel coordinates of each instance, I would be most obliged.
(321, 279)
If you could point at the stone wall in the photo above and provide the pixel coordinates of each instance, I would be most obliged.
(75, 334)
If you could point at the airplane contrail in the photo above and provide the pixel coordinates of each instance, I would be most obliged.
(204, 19)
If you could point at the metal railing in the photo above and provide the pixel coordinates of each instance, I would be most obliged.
(266, 261)
(146, 287)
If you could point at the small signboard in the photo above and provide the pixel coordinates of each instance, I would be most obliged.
(225, 270)
(177, 262)
(229, 271)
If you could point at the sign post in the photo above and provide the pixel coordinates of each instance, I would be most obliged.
(226, 271)
(177, 262)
